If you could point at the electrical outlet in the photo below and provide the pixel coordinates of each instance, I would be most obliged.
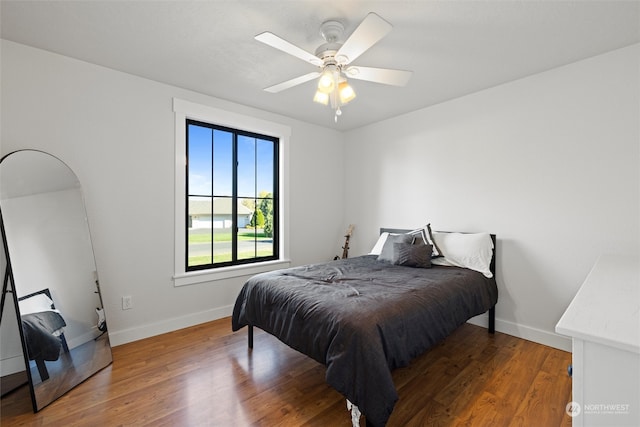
(127, 302)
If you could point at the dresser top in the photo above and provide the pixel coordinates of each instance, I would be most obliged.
(606, 309)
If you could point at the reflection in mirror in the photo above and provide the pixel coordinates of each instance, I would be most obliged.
(52, 272)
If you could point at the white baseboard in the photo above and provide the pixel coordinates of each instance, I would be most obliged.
(168, 325)
(528, 333)
(540, 336)
(11, 365)
(79, 340)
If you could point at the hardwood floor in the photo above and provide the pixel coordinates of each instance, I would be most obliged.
(206, 376)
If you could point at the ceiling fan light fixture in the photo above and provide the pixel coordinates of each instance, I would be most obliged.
(326, 82)
(346, 92)
(321, 97)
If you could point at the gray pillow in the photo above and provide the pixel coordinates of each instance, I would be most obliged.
(427, 236)
(387, 249)
(412, 255)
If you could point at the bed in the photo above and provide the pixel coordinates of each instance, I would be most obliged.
(43, 329)
(362, 317)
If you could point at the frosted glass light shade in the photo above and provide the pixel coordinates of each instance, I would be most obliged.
(326, 82)
(346, 92)
(321, 98)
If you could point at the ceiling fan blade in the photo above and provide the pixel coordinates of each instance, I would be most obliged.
(291, 83)
(369, 32)
(283, 45)
(379, 75)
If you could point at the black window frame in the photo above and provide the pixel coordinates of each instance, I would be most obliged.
(235, 197)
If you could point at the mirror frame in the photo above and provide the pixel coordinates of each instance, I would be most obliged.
(63, 378)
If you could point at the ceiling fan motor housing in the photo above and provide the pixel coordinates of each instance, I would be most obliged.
(327, 53)
(331, 32)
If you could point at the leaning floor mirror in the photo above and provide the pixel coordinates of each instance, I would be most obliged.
(51, 274)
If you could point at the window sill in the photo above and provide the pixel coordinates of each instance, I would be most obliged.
(195, 277)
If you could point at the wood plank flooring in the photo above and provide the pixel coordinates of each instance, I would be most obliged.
(206, 376)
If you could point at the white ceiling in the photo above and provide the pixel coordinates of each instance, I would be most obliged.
(453, 47)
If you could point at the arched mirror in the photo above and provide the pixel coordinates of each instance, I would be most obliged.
(51, 274)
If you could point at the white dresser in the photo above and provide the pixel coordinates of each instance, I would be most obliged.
(603, 321)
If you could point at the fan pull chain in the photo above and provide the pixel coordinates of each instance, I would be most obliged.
(338, 113)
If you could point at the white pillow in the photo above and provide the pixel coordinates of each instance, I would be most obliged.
(35, 304)
(377, 248)
(469, 250)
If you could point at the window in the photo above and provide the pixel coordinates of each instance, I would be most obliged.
(203, 206)
(231, 198)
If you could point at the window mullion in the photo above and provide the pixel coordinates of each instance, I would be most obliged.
(255, 194)
(213, 255)
(234, 200)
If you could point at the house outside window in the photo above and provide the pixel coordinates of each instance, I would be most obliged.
(201, 217)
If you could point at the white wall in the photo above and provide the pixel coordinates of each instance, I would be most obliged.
(116, 131)
(550, 163)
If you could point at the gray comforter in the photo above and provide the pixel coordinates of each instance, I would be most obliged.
(362, 318)
(38, 329)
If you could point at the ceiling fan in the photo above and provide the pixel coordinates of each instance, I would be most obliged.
(334, 58)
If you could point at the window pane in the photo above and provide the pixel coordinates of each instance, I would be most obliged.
(199, 231)
(265, 167)
(223, 227)
(246, 166)
(246, 208)
(248, 221)
(246, 243)
(222, 163)
(199, 164)
(253, 240)
(265, 237)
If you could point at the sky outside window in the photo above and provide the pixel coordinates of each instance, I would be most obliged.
(255, 163)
